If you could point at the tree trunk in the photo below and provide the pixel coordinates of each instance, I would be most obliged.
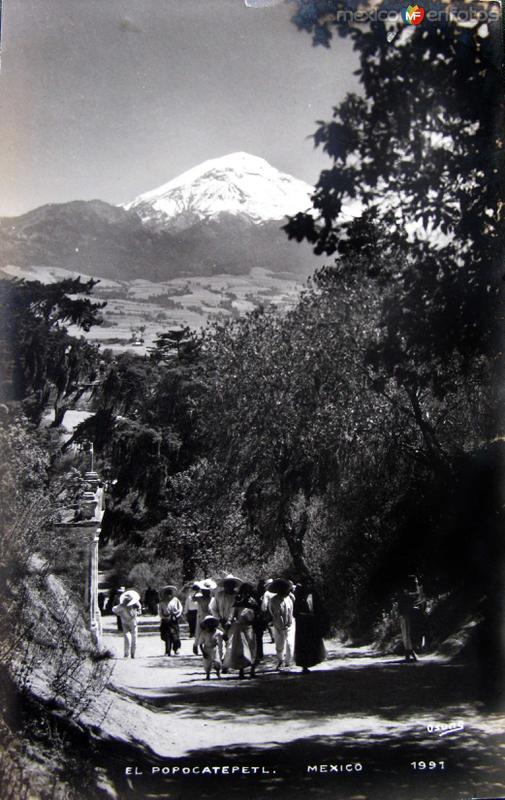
(188, 563)
(59, 413)
(294, 540)
(292, 532)
(433, 446)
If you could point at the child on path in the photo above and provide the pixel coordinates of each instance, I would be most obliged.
(210, 644)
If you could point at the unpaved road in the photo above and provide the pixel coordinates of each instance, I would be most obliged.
(305, 735)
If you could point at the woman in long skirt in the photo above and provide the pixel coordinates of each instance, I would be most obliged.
(242, 649)
(409, 603)
(309, 616)
(170, 611)
(202, 597)
(263, 617)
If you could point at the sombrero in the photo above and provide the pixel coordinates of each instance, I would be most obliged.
(246, 587)
(230, 579)
(129, 598)
(209, 622)
(166, 589)
(208, 583)
(281, 586)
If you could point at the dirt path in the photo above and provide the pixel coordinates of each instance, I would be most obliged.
(356, 708)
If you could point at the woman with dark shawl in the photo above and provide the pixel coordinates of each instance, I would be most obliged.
(170, 611)
(310, 624)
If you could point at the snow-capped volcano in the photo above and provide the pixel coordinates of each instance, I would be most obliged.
(224, 216)
(238, 184)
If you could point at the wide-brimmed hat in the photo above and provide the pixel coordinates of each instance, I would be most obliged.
(209, 622)
(207, 583)
(168, 589)
(246, 588)
(230, 579)
(281, 586)
(129, 598)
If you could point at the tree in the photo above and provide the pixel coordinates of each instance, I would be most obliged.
(143, 429)
(281, 415)
(43, 363)
(420, 148)
(423, 154)
(178, 342)
(411, 148)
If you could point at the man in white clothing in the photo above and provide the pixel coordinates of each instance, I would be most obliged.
(281, 609)
(128, 610)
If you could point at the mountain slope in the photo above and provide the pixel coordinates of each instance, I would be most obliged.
(91, 236)
(224, 216)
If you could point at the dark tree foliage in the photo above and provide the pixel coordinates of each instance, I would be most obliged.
(177, 343)
(304, 446)
(278, 416)
(143, 428)
(421, 149)
(42, 363)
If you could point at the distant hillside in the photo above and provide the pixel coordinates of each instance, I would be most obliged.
(220, 222)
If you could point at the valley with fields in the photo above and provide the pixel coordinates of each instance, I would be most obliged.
(138, 310)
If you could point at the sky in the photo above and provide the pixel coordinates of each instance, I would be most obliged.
(111, 98)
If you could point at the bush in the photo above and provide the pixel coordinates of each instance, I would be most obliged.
(48, 661)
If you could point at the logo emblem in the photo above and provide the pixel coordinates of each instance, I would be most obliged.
(413, 15)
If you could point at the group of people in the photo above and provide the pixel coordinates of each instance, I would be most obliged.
(228, 619)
